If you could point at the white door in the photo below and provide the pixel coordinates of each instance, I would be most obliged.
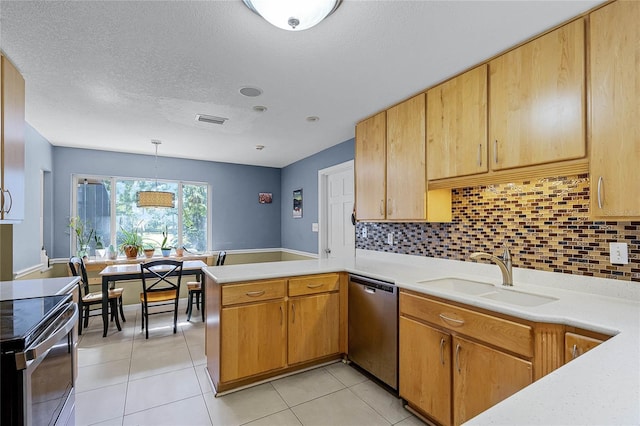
(339, 231)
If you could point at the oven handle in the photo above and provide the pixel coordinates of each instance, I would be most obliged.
(24, 358)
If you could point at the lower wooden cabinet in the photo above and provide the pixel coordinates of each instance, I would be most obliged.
(483, 376)
(577, 344)
(313, 327)
(254, 339)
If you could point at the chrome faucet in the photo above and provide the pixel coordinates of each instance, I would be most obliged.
(503, 263)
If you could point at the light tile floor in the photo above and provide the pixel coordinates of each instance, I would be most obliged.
(124, 379)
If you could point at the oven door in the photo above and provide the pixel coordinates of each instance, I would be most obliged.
(47, 371)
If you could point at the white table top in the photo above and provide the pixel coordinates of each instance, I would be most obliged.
(134, 268)
(601, 387)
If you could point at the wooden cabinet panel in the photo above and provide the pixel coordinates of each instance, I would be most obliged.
(253, 292)
(425, 369)
(406, 157)
(313, 284)
(12, 143)
(493, 330)
(615, 110)
(370, 167)
(253, 339)
(577, 344)
(314, 327)
(482, 377)
(537, 100)
(457, 126)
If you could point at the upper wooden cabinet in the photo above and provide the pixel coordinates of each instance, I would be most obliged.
(457, 126)
(370, 167)
(406, 157)
(390, 167)
(614, 65)
(537, 100)
(12, 143)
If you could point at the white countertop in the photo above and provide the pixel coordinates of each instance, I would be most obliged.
(602, 387)
(23, 289)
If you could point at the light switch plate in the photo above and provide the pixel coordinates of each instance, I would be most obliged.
(618, 253)
(364, 232)
(390, 238)
(314, 227)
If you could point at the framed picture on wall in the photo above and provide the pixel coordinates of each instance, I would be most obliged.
(297, 203)
(265, 197)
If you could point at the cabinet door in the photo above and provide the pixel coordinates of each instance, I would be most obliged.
(314, 327)
(457, 126)
(537, 100)
(576, 345)
(253, 339)
(12, 145)
(425, 369)
(370, 160)
(482, 377)
(406, 157)
(615, 127)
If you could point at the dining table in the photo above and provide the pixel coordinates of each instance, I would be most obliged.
(132, 271)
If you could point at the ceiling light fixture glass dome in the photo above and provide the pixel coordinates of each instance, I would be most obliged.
(293, 15)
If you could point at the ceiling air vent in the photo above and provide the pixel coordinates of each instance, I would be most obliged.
(211, 119)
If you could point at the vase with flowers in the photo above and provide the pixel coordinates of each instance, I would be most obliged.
(84, 233)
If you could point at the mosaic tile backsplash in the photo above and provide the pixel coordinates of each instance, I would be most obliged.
(544, 222)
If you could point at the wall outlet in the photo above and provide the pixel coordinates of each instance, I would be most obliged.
(390, 238)
(364, 232)
(314, 227)
(618, 253)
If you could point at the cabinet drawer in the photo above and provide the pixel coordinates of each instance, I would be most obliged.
(252, 292)
(313, 284)
(500, 332)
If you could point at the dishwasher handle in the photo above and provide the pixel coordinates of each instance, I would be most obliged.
(371, 285)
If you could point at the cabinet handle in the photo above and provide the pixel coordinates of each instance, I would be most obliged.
(480, 155)
(314, 285)
(495, 151)
(255, 293)
(456, 321)
(293, 311)
(389, 207)
(442, 342)
(382, 208)
(458, 357)
(574, 352)
(10, 200)
(599, 192)
(281, 315)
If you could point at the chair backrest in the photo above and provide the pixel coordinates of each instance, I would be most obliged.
(221, 258)
(76, 265)
(155, 275)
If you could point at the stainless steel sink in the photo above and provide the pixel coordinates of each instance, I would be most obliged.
(460, 285)
(518, 298)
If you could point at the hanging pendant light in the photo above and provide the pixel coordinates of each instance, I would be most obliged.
(155, 198)
(293, 15)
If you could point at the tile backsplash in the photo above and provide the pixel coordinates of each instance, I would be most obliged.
(544, 222)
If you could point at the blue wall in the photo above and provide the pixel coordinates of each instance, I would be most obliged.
(26, 235)
(297, 233)
(239, 221)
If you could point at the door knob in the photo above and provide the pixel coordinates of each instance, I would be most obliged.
(327, 250)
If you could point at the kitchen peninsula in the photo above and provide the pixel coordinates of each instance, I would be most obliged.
(600, 387)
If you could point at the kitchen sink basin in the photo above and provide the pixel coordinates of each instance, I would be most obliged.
(518, 298)
(460, 285)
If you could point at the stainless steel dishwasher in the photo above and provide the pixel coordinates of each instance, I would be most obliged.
(373, 328)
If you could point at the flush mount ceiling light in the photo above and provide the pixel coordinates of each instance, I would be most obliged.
(293, 15)
(155, 198)
(312, 119)
(250, 92)
(260, 108)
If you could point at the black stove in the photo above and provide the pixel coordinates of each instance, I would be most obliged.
(23, 320)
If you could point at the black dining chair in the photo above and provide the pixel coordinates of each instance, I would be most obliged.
(88, 299)
(195, 289)
(159, 290)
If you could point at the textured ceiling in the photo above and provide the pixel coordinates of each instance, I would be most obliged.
(112, 75)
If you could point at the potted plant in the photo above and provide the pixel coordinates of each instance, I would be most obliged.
(180, 251)
(165, 248)
(131, 242)
(149, 248)
(83, 235)
(100, 250)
